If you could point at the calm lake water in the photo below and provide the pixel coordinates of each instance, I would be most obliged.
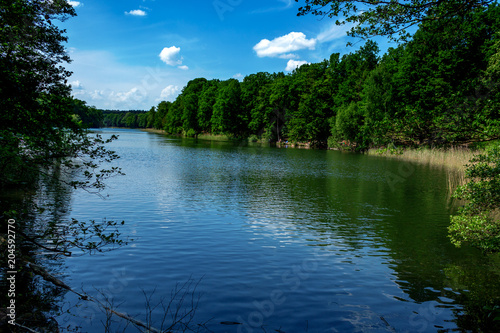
(278, 239)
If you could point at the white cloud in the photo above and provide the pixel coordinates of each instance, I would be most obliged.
(97, 94)
(136, 12)
(293, 64)
(238, 76)
(287, 4)
(169, 93)
(76, 85)
(171, 56)
(282, 46)
(288, 56)
(183, 67)
(334, 32)
(134, 95)
(107, 82)
(75, 3)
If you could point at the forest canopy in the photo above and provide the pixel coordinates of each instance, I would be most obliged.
(389, 18)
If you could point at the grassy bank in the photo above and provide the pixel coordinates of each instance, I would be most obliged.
(200, 136)
(153, 130)
(213, 137)
(203, 136)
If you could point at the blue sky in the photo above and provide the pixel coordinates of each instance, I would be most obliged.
(132, 54)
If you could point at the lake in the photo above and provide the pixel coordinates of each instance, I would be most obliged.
(277, 239)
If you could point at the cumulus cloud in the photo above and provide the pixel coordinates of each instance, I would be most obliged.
(171, 56)
(76, 85)
(293, 64)
(282, 46)
(169, 92)
(97, 94)
(136, 12)
(75, 3)
(133, 96)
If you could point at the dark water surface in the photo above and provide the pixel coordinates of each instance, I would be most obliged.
(280, 239)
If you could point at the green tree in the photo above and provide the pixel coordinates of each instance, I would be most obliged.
(162, 111)
(34, 97)
(130, 120)
(281, 101)
(478, 222)
(42, 141)
(89, 115)
(189, 99)
(438, 94)
(151, 118)
(142, 120)
(308, 118)
(206, 105)
(380, 99)
(172, 119)
(352, 73)
(37, 126)
(481, 109)
(349, 124)
(389, 18)
(252, 98)
(228, 117)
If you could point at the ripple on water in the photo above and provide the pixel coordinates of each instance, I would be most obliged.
(268, 233)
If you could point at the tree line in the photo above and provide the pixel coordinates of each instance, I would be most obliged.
(440, 88)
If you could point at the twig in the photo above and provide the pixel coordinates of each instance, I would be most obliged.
(48, 277)
(26, 328)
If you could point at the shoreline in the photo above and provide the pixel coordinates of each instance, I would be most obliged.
(454, 159)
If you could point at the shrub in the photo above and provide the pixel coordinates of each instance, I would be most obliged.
(478, 221)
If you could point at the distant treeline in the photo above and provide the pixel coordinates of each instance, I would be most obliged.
(440, 88)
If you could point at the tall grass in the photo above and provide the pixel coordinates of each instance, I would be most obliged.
(454, 160)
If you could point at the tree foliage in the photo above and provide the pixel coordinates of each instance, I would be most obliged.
(389, 18)
(478, 221)
(40, 124)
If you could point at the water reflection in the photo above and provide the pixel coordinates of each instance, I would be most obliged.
(344, 242)
(33, 208)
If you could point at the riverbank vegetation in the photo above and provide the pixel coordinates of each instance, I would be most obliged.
(477, 222)
(453, 158)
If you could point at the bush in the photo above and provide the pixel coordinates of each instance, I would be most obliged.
(253, 138)
(478, 221)
(191, 133)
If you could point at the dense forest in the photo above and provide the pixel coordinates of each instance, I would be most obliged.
(439, 88)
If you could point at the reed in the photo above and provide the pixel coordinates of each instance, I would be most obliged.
(213, 137)
(454, 160)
